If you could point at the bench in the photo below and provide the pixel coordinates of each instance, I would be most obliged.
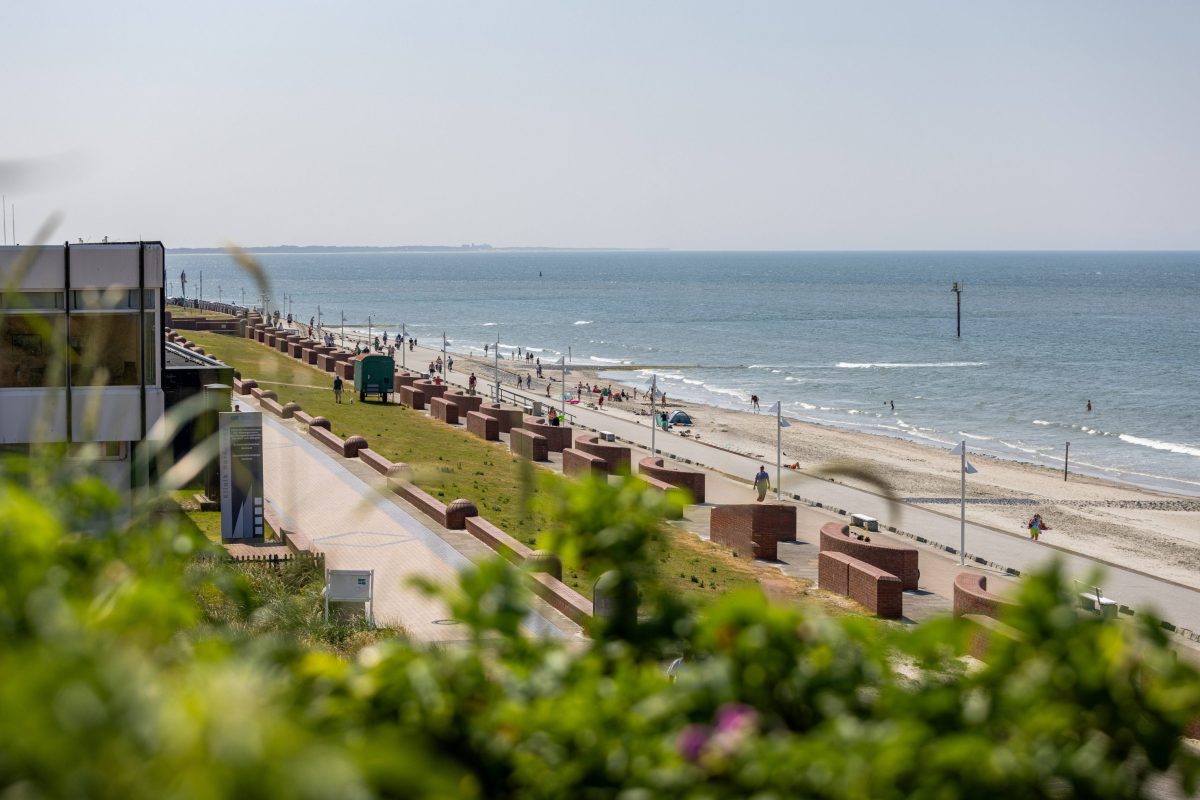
(267, 404)
(654, 470)
(865, 584)
(345, 370)
(618, 458)
(431, 389)
(509, 417)
(485, 427)
(453, 516)
(753, 530)
(444, 410)
(465, 402)
(412, 397)
(558, 437)
(578, 462)
(374, 460)
(895, 559)
(528, 444)
(971, 596)
(863, 521)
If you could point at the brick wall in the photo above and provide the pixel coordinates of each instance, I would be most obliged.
(577, 462)
(374, 460)
(427, 504)
(528, 444)
(484, 427)
(878, 590)
(617, 456)
(509, 417)
(346, 370)
(430, 389)
(898, 560)
(465, 402)
(972, 597)
(833, 572)
(689, 479)
(412, 397)
(443, 409)
(751, 530)
(334, 443)
(558, 438)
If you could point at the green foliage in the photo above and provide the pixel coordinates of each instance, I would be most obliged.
(135, 663)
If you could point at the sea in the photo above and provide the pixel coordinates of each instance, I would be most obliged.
(837, 337)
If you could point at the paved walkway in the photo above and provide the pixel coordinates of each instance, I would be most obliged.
(358, 527)
(1176, 603)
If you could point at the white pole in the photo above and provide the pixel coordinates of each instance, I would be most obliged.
(779, 450)
(962, 510)
(445, 371)
(653, 415)
(496, 363)
(403, 336)
(369, 340)
(563, 394)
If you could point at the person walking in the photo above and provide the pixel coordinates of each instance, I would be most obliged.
(754, 402)
(762, 483)
(337, 388)
(471, 383)
(1036, 526)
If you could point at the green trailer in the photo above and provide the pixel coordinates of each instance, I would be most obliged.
(373, 374)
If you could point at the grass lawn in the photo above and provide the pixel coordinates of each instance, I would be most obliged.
(206, 523)
(450, 463)
(184, 311)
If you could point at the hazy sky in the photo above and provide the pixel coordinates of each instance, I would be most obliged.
(738, 125)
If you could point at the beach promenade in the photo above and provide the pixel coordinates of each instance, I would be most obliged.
(1175, 603)
(358, 526)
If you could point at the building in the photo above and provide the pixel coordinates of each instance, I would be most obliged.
(81, 350)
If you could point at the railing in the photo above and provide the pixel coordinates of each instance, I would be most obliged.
(275, 560)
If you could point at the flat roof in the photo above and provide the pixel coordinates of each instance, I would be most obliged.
(179, 356)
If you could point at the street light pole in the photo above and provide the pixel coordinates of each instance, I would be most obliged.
(403, 336)
(653, 413)
(445, 369)
(957, 288)
(496, 363)
(342, 331)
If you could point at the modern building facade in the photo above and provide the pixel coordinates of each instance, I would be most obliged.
(81, 350)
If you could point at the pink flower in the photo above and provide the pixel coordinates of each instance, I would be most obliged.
(691, 741)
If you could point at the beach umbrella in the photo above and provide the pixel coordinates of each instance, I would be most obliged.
(780, 424)
(965, 469)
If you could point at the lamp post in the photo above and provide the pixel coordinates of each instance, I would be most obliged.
(445, 371)
(965, 469)
(957, 288)
(496, 363)
(342, 330)
(653, 413)
(403, 336)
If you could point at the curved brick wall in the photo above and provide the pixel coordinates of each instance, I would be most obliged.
(972, 597)
(618, 456)
(898, 560)
(430, 389)
(509, 417)
(558, 438)
(753, 530)
(465, 402)
(689, 479)
(528, 444)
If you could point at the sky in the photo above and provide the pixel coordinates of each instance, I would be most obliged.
(689, 125)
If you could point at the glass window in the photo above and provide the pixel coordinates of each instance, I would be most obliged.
(26, 301)
(150, 341)
(104, 349)
(110, 299)
(27, 350)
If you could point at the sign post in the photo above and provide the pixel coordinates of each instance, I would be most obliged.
(241, 475)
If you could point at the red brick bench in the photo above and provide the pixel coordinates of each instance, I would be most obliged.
(296, 350)
(303, 417)
(558, 438)
(568, 602)
(412, 397)
(259, 394)
(345, 369)
(326, 437)
(896, 559)
(487, 428)
(290, 409)
(509, 417)
(465, 402)
(442, 409)
(453, 516)
(972, 597)
(375, 461)
(511, 549)
(267, 404)
(326, 362)
(528, 444)
(753, 530)
(431, 389)
(867, 585)
(243, 386)
(654, 469)
(577, 462)
(617, 457)
(403, 379)
(985, 633)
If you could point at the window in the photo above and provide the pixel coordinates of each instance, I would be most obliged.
(30, 301)
(110, 299)
(28, 344)
(104, 350)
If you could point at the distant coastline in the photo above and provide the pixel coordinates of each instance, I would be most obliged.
(314, 249)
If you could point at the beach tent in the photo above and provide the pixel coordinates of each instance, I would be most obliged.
(680, 418)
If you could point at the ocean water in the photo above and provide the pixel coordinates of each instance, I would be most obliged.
(837, 337)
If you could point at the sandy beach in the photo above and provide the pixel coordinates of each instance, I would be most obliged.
(1155, 532)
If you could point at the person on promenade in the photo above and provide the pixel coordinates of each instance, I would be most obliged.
(548, 387)
(485, 349)
(1036, 526)
(754, 402)
(337, 388)
(528, 381)
(762, 483)
(601, 401)
(471, 383)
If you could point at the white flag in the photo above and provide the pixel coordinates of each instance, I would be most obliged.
(783, 423)
(970, 469)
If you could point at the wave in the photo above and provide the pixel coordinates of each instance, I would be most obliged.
(583, 322)
(909, 365)
(1170, 447)
(607, 360)
(1031, 451)
(1042, 422)
(975, 436)
(490, 324)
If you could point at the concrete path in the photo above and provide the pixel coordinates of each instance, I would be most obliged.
(359, 527)
(991, 546)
